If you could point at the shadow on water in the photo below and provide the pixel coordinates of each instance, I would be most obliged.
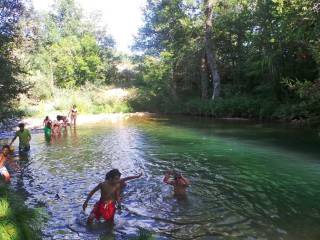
(248, 182)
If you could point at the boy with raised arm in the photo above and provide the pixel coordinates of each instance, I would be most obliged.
(110, 195)
(123, 181)
(178, 182)
(4, 157)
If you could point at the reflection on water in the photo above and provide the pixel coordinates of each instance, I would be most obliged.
(248, 182)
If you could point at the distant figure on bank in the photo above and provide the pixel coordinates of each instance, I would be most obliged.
(46, 121)
(24, 138)
(4, 157)
(178, 182)
(110, 195)
(73, 115)
(123, 181)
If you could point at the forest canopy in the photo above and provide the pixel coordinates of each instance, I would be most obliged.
(234, 58)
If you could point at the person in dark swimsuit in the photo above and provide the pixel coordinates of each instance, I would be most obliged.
(73, 115)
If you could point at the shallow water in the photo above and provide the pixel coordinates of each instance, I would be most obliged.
(249, 181)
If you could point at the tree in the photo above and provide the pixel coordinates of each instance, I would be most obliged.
(72, 49)
(10, 86)
(210, 49)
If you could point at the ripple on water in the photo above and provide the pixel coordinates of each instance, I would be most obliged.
(238, 191)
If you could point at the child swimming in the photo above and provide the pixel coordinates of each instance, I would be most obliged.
(110, 195)
(178, 182)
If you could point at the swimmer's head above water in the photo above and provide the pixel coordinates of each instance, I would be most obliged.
(177, 175)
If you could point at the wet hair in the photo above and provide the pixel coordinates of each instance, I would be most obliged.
(177, 175)
(113, 173)
(47, 118)
(60, 117)
(6, 146)
(21, 125)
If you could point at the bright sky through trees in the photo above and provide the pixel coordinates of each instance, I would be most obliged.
(122, 17)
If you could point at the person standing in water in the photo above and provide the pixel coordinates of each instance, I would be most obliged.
(4, 155)
(110, 195)
(24, 138)
(46, 121)
(178, 182)
(48, 131)
(73, 115)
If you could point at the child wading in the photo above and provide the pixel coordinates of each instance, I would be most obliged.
(110, 195)
(4, 157)
(178, 182)
(73, 114)
(24, 138)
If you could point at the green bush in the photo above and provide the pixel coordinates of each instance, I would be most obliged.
(89, 100)
(17, 222)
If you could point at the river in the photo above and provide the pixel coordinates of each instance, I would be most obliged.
(248, 180)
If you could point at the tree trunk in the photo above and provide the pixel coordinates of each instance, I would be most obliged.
(211, 49)
(173, 84)
(204, 78)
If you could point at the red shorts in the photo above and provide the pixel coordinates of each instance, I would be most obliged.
(105, 210)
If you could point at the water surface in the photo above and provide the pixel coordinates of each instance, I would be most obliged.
(249, 181)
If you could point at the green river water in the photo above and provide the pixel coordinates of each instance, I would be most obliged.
(248, 180)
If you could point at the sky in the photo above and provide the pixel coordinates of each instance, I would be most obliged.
(122, 17)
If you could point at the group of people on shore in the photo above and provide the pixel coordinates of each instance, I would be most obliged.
(110, 189)
(54, 128)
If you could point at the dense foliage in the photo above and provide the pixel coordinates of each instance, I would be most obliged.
(267, 54)
(17, 221)
(10, 68)
(247, 58)
(67, 49)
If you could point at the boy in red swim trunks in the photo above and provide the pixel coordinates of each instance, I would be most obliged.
(110, 194)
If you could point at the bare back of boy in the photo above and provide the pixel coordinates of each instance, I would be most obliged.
(108, 191)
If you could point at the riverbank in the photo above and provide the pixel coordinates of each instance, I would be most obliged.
(37, 123)
(17, 221)
(34, 123)
(298, 113)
